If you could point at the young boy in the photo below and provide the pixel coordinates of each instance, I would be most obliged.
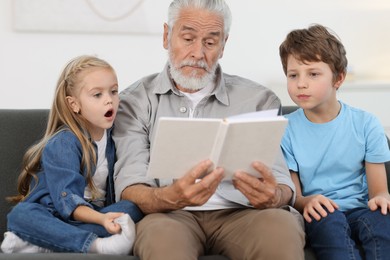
(335, 153)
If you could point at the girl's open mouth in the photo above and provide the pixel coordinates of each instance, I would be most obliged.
(109, 113)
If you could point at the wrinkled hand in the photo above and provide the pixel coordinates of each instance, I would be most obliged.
(109, 224)
(262, 192)
(315, 205)
(381, 201)
(196, 187)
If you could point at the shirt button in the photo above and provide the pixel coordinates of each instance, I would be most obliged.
(183, 109)
(63, 194)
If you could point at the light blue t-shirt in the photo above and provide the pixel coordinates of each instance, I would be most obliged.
(329, 158)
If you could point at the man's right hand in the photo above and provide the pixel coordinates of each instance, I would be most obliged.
(193, 189)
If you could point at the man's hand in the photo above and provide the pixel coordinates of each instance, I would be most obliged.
(263, 191)
(193, 189)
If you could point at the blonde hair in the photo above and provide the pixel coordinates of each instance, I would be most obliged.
(61, 114)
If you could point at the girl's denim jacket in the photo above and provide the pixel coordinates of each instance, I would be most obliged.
(61, 180)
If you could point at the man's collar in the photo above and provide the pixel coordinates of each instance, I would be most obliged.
(220, 91)
(164, 83)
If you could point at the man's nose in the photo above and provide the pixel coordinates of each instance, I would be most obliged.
(197, 51)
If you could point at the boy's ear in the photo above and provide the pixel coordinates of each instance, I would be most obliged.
(339, 80)
(73, 104)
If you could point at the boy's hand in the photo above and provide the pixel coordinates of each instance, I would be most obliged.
(381, 201)
(315, 205)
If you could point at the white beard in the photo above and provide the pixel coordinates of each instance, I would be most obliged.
(192, 82)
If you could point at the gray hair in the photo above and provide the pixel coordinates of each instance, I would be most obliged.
(215, 6)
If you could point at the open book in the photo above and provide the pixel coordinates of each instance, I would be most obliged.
(232, 143)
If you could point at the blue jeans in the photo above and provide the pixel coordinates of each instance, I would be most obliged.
(40, 226)
(339, 235)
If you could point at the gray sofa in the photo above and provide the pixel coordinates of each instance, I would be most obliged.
(18, 130)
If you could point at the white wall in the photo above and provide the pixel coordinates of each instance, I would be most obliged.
(31, 62)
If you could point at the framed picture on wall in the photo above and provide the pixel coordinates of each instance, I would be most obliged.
(90, 16)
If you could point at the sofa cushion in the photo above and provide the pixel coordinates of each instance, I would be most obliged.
(19, 129)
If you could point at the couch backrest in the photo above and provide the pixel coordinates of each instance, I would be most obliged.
(19, 129)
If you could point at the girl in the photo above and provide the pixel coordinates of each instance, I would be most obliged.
(65, 188)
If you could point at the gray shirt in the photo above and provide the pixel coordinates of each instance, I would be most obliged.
(155, 96)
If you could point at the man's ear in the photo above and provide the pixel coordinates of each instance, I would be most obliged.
(73, 104)
(223, 48)
(165, 37)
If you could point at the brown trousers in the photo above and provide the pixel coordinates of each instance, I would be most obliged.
(239, 234)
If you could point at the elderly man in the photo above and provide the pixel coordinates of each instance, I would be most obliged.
(195, 215)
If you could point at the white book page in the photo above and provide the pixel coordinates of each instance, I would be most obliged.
(180, 144)
(247, 142)
(232, 143)
(257, 114)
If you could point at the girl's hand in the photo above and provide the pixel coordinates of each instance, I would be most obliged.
(380, 201)
(315, 205)
(109, 224)
(88, 215)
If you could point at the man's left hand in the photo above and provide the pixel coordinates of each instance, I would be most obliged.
(263, 191)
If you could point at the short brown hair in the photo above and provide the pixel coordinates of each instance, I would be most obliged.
(315, 44)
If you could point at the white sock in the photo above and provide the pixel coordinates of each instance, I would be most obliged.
(118, 244)
(14, 244)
